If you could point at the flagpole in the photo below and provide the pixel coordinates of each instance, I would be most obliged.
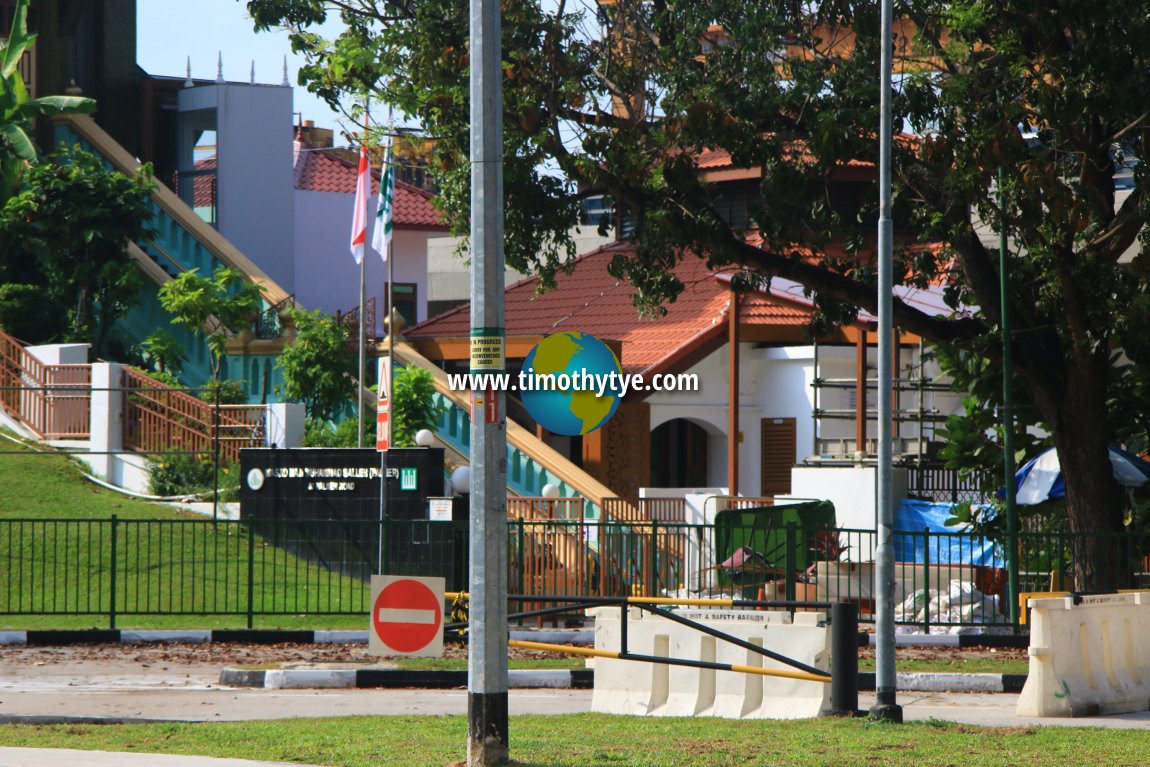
(390, 288)
(362, 301)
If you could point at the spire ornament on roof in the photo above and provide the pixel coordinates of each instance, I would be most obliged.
(220, 68)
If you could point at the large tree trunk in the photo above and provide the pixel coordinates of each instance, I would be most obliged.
(1094, 505)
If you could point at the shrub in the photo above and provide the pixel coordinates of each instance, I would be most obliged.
(180, 474)
(184, 474)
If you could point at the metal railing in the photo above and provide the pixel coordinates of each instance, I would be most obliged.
(158, 419)
(269, 323)
(350, 322)
(935, 482)
(52, 401)
(545, 508)
(246, 569)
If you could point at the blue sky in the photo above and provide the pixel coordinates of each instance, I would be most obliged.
(169, 31)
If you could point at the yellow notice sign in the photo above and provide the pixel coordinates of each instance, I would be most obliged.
(488, 349)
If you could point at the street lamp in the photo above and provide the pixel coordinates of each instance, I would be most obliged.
(885, 706)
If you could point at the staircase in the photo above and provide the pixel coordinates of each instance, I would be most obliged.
(181, 241)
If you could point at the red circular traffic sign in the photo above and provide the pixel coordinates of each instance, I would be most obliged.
(407, 615)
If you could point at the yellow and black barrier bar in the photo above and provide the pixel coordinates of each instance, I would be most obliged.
(638, 601)
(822, 676)
(652, 604)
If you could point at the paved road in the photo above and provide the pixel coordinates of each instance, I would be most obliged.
(995, 710)
(122, 689)
(222, 704)
(191, 693)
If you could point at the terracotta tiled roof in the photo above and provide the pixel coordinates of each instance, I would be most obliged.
(591, 300)
(204, 187)
(319, 170)
(714, 159)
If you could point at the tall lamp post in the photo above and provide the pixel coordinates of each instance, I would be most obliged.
(1013, 607)
(885, 706)
(487, 721)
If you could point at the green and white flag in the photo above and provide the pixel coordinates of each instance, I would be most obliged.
(385, 209)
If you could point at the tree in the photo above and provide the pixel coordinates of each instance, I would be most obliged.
(211, 306)
(71, 224)
(413, 406)
(18, 110)
(621, 98)
(319, 368)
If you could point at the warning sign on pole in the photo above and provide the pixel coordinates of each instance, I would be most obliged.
(383, 406)
(406, 616)
(491, 408)
(381, 424)
(488, 350)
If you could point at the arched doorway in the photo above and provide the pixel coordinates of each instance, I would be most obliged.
(679, 456)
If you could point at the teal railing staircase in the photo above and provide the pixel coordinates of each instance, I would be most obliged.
(181, 241)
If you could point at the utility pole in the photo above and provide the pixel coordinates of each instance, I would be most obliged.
(885, 706)
(1013, 607)
(487, 641)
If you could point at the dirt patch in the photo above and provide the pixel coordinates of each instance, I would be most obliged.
(216, 653)
(953, 653)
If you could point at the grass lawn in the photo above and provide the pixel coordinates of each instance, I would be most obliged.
(955, 665)
(57, 551)
(598, 740)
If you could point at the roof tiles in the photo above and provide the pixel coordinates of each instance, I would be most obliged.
(592, 301)
(318, 170)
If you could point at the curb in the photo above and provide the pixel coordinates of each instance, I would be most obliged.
(943, 682)
(241, 636)
(582, 679)
(275, 636)
(954, 640)
(330, 679)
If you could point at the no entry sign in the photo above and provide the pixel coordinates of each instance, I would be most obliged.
(406, 616)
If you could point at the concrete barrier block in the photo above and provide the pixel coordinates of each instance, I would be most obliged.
(1088, 656)
(640, 688)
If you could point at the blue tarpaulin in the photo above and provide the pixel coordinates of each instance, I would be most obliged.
(919, 516)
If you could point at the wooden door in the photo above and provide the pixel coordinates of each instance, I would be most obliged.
(777, 441)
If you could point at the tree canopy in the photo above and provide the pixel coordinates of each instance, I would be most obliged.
(212, 307)
(18, 110)
(63, 270)
(319, 368)
(622, 98)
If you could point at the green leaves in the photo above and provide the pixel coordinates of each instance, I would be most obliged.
(18, 41)
(68, 229)
(414, 407)
(17, 110)
(319, 368)
(212, 306)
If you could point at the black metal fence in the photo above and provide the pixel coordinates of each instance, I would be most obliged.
(124, 568)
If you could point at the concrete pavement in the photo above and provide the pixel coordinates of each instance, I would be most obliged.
(63, 757)
(126, 691)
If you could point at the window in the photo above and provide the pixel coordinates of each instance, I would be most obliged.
(404, 294)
